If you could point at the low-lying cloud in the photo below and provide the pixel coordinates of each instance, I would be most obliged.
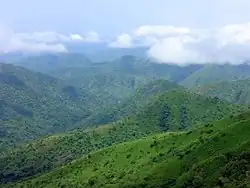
(40, 41)
(122, 41)
(182, 45)
(167, 44)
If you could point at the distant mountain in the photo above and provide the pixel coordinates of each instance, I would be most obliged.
(11, 57)
(121, 77)
(100, 52)
(34, 104)
(59, 63)
(237, 91)
(48, 62)
(215, 155)
(212, 74)
(171, 111)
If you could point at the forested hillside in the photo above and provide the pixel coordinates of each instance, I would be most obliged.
(124, 94)
(237, 91)
(90, 112)
(212, 74)
(170, 111)
(134, 104)
(216, 155)
(33, 104)
(119, 78)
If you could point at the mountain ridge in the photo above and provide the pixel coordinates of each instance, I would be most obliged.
(205, 157)
(170, 111)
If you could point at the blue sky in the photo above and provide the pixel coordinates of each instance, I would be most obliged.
(114, 16)
(177, 31)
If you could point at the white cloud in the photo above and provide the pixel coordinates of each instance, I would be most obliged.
(40, 41)
(92, 37)
(13, 42)
(17, 45)
(160, 31)
(123, 41)
(89, 37)
(237, 33)
(181, 45)
(47, 37)
(173, 50)
(76, 37)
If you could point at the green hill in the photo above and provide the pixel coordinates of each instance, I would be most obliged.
(134, 104)
(212, 74)
(237, 91)
(34, 104)
(171, 111)
(216, 155)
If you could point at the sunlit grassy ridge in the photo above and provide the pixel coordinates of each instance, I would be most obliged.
(214, 155)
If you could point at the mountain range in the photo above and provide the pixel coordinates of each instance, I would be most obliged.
(69, 121)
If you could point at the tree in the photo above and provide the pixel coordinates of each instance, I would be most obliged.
(183, 117)
(164, 118)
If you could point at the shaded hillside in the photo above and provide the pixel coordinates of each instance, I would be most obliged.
(216, 155)
(134, 104)
(237, 91)
(171, 111)
(212, 74)
(33, 104)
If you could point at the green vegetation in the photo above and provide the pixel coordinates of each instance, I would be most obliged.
(118, 79)
(34, 104)
(171, 111)
(135, 103)
(49, 62)
(216, 155)
(212, 74)
(237, 91)
(129, 125)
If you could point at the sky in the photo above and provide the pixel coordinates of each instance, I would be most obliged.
(175, 30)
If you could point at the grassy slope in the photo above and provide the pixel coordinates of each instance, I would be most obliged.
(212, 74)
(214, 155)
(53, 151)
(237, 91)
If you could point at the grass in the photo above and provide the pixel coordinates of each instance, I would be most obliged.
(205, 157)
